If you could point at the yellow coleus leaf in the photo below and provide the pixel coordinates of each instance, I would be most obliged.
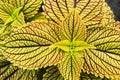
(108, 16)
(13, 21)
(16, 17)
(10, 72)
(105, 59)
(29, 7)
(28, 47)
(71, 66)
(6, 10)
(90, 11)
(73, 28)
(72, 32)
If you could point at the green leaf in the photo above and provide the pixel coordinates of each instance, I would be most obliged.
(73, 29)
(29, 46)
(29, 7)
(16, 12)
(105, 59)
(52, 73)
(90, 11)
(75, 46)
(71, 66)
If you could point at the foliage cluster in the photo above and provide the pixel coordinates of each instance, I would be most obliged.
(58, 40)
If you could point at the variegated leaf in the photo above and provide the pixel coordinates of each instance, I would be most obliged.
(29, 7)
(105, 59)
(90, 11)
(29, 46)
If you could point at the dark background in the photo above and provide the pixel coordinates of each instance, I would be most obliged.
(115, 7)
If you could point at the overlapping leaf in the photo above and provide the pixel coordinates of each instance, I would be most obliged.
(85, 76)
(19, 21)
(10, 72)
(90, 11)
(52, 73)
(29, 46)
(105, 60)
(39, 17)
(11, 17)
(29, 7)
(72, 30)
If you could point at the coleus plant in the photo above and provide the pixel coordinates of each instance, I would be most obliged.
(78, 36)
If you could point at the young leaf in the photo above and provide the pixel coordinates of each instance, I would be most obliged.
(105, 59)
(29, 7)
(19, 21)
(12, 24)
(71, 66)
(14, 16)
(11, 17)
(90, 11)
(52, 73)
(16, 12)
(75, 46)
(29, 46)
